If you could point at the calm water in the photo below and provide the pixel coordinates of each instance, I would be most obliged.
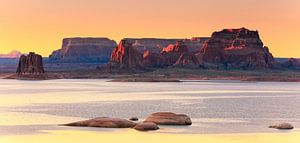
(29, 107)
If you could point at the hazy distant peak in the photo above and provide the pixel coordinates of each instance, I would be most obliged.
(11, 55)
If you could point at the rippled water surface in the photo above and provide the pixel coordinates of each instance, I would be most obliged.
(29, 107)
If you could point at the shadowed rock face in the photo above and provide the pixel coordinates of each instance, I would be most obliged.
(32, 64)
(140, 53)
(188, 60)
(126, 56)
(172, 53)
(84, 50)
(237, 48)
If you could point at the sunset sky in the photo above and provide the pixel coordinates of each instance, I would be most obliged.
(40, 25)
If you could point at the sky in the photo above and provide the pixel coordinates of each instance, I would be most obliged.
(40, 25)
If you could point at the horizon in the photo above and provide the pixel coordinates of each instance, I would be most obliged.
(40, 26)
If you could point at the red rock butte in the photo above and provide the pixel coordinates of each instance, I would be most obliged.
(30, 64)
(229, 48)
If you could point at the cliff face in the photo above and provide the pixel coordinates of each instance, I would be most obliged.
(84, 50)
(153, 53)
(172, 53)
(152, 45)
(229, 48)
(32, 64)
(237, 48)
(126, 56)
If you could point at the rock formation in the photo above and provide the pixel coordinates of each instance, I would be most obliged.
(126, 56)
(104, 122)
(12, 55)
(152, 45)
(229, 48)
(172, 53)
(31, 63)
(237, 48)
(188, 60)
(168, 118)
(84, 50)
(141, 53)
(282, 126)
(146, 127)
(195, 44)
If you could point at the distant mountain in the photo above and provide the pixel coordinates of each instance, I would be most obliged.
(12, 55)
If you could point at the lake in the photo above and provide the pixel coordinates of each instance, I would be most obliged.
(216, 107)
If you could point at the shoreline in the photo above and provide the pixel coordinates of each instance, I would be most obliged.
(76, 136)
(169, 75)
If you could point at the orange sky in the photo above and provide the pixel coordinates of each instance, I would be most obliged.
(40, 25)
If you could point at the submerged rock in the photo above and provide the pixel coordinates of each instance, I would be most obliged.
(104, 122)
(148, 126)
(168, 118)
(283, 126)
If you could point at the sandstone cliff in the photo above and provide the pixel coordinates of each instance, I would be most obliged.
(153, 53)
(229, 48)
(126, 56)
(84, 50)
(237, 48)
(31, 63)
